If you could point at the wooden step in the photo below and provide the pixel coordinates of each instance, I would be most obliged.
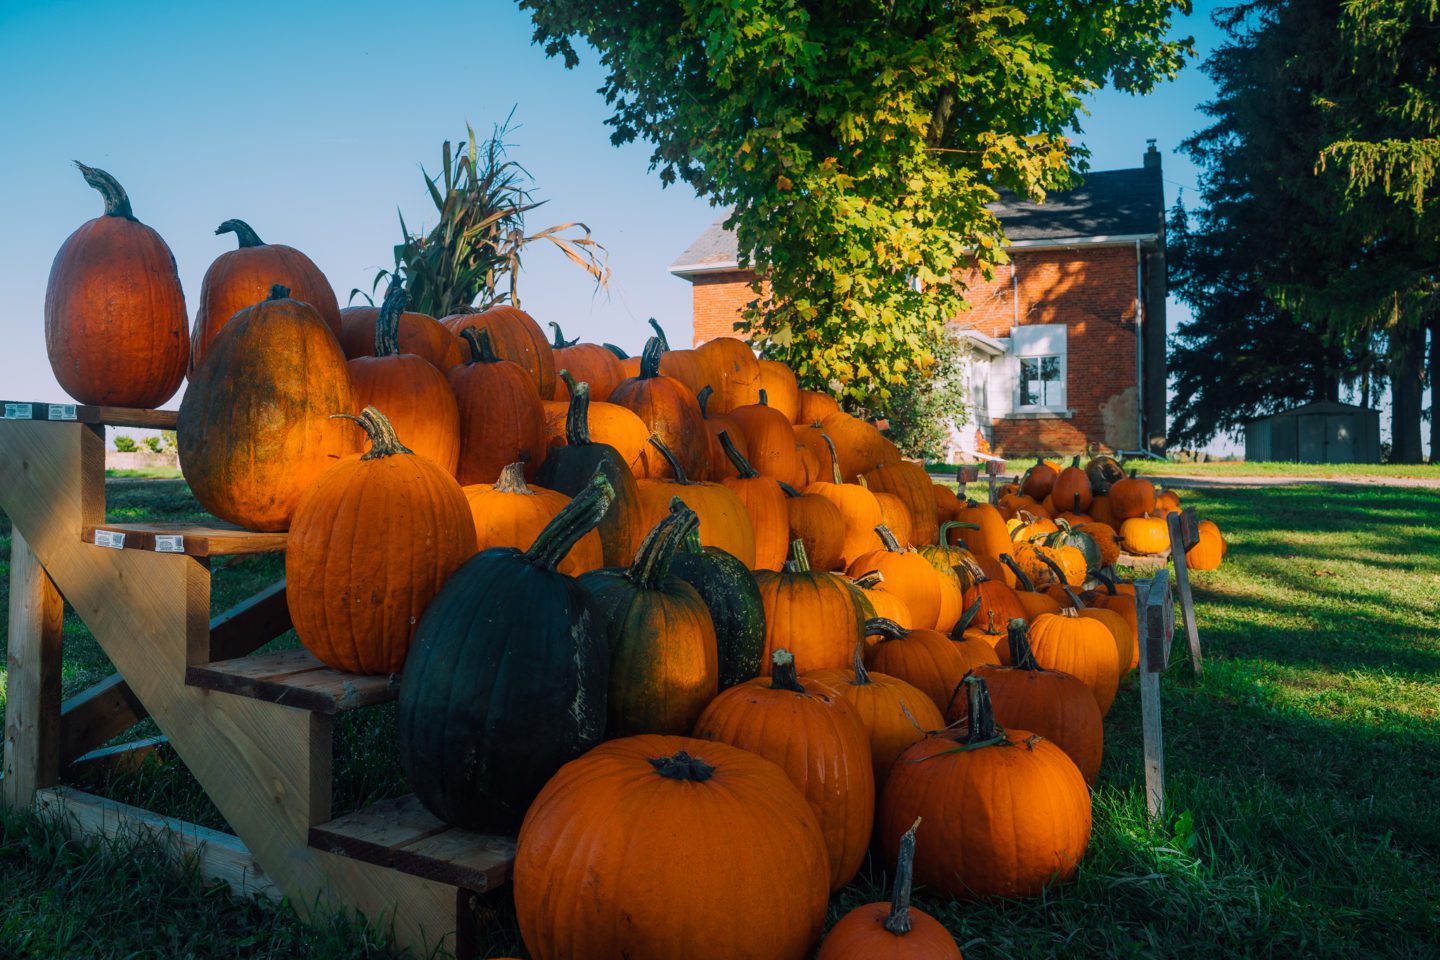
(82, 413)
(1157, 561)
(215, 539)
(293, 678)
(403, 835)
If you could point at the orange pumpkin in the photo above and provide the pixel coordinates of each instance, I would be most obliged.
(1145, 535)
(671, 412)
(587, 362)
(927, 660)
(984, 534)
(818, 524)
(1131, 497)
(501, 417)
(1104, 536)
(514, 336)
(716, 424)
(782, 390)
(812, 613)
(911, 484)
(769, 440)
(736, 372)
(372, 541)
(688, 366)
(1209, 551)
(765, 502)
(608, 423)
(882, 603)
(858, 507)
(861, 447)
(812, 734)
(907, 574)
(1081, 647)
(724, 521)
(1039, 480)
(947, 504)
(1125, 641)
(893, 516)
(116, 330)
(987, 594)
(815, 407)
(510, 513)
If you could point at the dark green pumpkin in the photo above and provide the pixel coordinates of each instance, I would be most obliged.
(507, 677)
(729, 590)
(569, 468)
(663, 668)
(1068, 536)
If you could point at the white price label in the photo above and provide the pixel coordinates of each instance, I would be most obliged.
(62, 411)
(169, 543)
(113, 539)
(19, 411)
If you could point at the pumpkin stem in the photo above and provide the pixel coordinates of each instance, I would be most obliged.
(1022, 656)
(670, 458)
(1025, 582)
(621, 354)
(117, 203)
(977, 573)
(888, 538)
(512, 480)
(967, 616)
(652, 560)
(799, 559)
(384, 442)
(568, 380)
(387, 324)
(650, 358)
(862, 676)
(884, 627)
(577, 418)
(764, 397)
(682, 766)
(782, 672)
(983, 727)
(948, 525)
(560, 342)
(243, 232)
(575, 519)
(746, 471)
(789, 490)
(703, 398)
(870, 580)
(481, 350)
(278, 291)
(1076, 502)
(990, 630)
(691, 541)
(1049, 561)
(660, 332)
(898, 922)
(834, 458)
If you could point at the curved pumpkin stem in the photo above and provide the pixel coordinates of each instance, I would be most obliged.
(384, 441)
(862, 676)
(682, 766)
(660, 332)
(967, 616)
(870, 580)
(948, 525)
(977, 573)
(983, 728)
(652, 560)
(650, 358)
(1024, 580)
(577, 417)
(789, 490)
(387, 324)
(1060, 576)
(670, 458)
(575, 519)
(742, 466)
(898, 922)
(885, 627)
(616, 350)
(117, 203)
(560, 342)
(1022, 656)
(481, 350)
(834, 458)
(888, 538)
(799, 561)
(243, 232)
(512, 480)
(782, 672)
(703, 398)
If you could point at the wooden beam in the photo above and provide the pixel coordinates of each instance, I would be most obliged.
(1185, 534)
(32, 704)
(249, 625)
(121, 757)
(1150, 728)
(82, 413)
(294, 678)
(195, 539)
(216, 855)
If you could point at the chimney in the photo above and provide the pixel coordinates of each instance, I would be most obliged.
(1152, 156)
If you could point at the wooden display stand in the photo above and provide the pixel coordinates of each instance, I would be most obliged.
(255, 731)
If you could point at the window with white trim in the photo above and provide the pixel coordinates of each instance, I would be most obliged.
(1039, 351)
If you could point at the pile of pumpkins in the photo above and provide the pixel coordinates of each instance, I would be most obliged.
(695, 633)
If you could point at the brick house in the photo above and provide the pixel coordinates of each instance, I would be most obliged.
(1067, 341)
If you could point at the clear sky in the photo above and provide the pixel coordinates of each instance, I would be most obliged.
(310, 121)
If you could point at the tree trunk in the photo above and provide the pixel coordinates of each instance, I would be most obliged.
(1407, 368)
(1435, 387)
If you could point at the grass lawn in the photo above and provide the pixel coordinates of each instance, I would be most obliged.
(1240, 468)
(1302, 773)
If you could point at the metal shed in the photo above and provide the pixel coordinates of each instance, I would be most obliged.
(1320, 432)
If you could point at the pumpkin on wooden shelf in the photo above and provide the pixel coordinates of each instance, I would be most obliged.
(724, 521)
(386, 518)
(815, 407)
(716, 424)
(819, 523)
(1053, 704)
(415, 396)
(1208, 553)
(507, 676)
(511, 513)
(815, 614)
(894, 930)
(912, 485)
(1145, 536)
(663, 666)
(1010, 810)
(243, 276)
(1081, 647)
(255, 428)
(894, 713)
(769, 440)
(568, 469)
(764, 500)
(588, 362)
(925, 659)
(608, 423)
(857, 505)
(501, 416)
(736, 372)
(647, 828)
(116, 330)
(907, 574)
(1131, 497)
(732, 596)
(813, 734)
(670, 412)
(514, 336)
(882, 603)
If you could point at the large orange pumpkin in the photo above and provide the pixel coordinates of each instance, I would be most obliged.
(986, 595)
(812, 734)
(893, 515)
(736, 372)
(116, 330)
(881, 603)
(501, 417)
(1072, 489)
(1081, 647)
(511, 513)
(858, 507)
(515, 336)
(988, 537)
(907, 574)
(783, 392)
(671, 412)
(243, 276)
(255, 427)
(1010, 811)
(910, 483)
(1039, 480)
(1131, 497)
(716, 424)
(587, 362)
(1145, 535)
(814, 614)
(765, 502)
(818, 523)
(607, 423)
(815, 407)
(724, 521)
(608, 859)
(769, 440)
(924, 658)
(688, 366)
(372, 541)
(860, 445)
(412, 393)
(417, 333)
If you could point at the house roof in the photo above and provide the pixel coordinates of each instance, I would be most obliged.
(1109, 205)
(1315, 407)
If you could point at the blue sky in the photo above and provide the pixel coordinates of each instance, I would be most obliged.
(311, 121)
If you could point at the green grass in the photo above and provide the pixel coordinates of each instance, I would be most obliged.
(144, 473)
(1301, 771)
(1241, 468)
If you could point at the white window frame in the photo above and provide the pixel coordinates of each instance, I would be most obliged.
(1039, 342)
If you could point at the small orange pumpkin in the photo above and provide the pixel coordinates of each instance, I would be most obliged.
(1145, 535)
(927, 660)
(1209, 551)
(501, 417)
(510, 513)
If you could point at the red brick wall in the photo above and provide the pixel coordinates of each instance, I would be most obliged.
(1091, 290)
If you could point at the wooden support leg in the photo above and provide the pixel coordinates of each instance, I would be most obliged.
(32, 703)
(1184, 534)
(1154, 741)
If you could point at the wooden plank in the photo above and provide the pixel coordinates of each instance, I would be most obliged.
(1160, 622)
(249, 625)
(32, 705)
(1184, 534)
(83, 413)
(1135, 561)
(293, 678)
(192, 539)
(96, 715)
(216, 855)
(101, 762)
(402, 835)
(1150, 727)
